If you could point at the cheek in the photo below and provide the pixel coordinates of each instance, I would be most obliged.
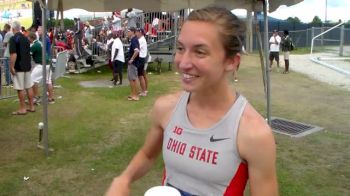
(177, 60)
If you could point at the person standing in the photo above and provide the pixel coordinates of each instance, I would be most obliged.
(117, 58)
(117, 21)
(37, 72)
(212, 139)
(7, 37)
(78, 37)
(133, 62)
(275, 41)
(131, 16)
(142, 60)
(286, 48)
(47, 41)
(20, 67)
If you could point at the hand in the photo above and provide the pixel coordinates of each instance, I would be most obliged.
(119, 187)
(130, 61)
(13, 71)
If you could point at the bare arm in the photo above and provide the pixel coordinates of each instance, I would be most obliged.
(13, 58)
(256, 145)
(115, 54)
(136, 53)
(145, 157)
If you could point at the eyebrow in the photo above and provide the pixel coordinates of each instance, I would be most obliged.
(195, 46)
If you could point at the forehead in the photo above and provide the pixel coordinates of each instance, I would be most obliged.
(198, 32)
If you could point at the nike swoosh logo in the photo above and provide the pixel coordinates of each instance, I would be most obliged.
(212, 139)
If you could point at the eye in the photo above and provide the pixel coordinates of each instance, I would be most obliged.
(179, 49)
(201, 53)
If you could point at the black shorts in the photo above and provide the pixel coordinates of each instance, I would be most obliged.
(117, 66)
(141, 67)
(274, 55)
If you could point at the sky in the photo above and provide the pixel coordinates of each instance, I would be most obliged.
(308, 9)
(305, 11)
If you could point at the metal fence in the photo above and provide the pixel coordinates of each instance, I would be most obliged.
(158, 26)
(302, 38)
(6, 88)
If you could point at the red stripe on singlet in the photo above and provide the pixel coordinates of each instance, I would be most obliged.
(238, 182)
(164, 176)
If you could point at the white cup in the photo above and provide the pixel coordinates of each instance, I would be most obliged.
(161, 191)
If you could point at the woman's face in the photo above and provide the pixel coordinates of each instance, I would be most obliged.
(200, 57)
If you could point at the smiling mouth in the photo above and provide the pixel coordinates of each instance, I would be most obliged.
(188, 76)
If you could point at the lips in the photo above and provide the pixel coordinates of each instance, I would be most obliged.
(188, 76)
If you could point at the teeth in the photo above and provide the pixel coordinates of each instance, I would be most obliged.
(187, 76)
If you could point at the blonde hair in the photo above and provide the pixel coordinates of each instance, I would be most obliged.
(230, 27)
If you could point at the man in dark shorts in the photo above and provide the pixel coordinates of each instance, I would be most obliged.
(142, 61)
(275, 41)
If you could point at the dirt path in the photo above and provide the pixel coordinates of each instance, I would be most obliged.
(303, 64)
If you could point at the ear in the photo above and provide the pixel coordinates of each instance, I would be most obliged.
(232, 62)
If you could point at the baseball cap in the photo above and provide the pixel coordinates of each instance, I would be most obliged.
(133, 29)
(140, 30)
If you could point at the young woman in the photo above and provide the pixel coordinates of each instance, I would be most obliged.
(212, 139)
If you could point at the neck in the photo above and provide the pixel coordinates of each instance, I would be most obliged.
(214, 97)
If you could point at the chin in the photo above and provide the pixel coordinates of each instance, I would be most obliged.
(187, 88)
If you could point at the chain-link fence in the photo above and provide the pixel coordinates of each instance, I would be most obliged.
(302, 38)
(6, 87)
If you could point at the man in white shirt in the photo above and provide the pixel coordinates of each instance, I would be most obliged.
(117, 58)
(142, 60)
(117, 21)
(131, 16)
(275, 41)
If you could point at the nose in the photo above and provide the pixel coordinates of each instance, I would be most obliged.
(183, 60)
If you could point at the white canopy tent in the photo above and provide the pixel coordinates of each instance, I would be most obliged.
(171, 5)
(164, 5)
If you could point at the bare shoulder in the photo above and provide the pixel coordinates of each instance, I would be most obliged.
(164, 106)
(254, 133)
(253, 123)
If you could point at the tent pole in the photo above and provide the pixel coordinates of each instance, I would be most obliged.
(43, 5)
(266, 48)
(261, 50)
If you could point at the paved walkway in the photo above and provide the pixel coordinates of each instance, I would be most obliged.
(303, 64)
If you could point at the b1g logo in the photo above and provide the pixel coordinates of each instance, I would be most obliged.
(177, 130)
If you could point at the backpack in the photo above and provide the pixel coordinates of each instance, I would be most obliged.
(291, 47)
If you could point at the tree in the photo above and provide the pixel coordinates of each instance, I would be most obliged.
(316, 21)
(37, 14)
(293, 20)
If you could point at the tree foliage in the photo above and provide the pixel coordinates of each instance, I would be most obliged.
(68, 23)
(294, 20)
(316, 21)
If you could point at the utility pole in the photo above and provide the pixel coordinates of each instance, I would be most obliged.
(325, 15)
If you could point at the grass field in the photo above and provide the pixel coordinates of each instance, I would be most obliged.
(96, 131)
(26, 22)
(16, 5)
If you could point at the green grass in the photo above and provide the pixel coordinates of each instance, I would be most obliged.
(26, 22)
(96, 131)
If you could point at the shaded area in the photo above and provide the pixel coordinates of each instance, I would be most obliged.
(101, 83)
